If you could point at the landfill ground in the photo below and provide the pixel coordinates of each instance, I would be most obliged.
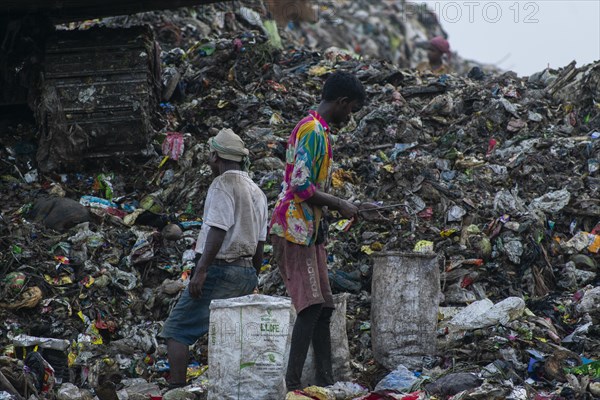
(498, 177)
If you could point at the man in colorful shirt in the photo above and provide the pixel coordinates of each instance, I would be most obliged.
(298, 249)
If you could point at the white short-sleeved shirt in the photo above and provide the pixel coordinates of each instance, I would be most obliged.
(237, 205)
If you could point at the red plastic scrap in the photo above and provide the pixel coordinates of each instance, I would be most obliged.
(543, 396)
(116, 212)
(237, 44)
(387, 395)
(573, 118)
(426, 213)
(491, 145)
(578, 295)
(466, 281)
(277, 86)
(473, 261)
(102, 324)
(62, 260)
(413, 396)
(173, 145)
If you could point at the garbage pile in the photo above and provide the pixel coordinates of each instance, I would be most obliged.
(386, 30)
(499, 176)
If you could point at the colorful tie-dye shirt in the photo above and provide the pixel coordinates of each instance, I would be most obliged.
(308, 168)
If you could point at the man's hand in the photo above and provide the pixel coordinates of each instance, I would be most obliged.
(369, 211)
(214, 240)
(197, 282)
(347, 209)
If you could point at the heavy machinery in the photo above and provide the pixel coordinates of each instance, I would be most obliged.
(93, 92)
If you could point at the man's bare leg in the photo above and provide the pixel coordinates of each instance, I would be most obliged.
(178, 354)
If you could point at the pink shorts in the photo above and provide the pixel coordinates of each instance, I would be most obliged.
(304, 272)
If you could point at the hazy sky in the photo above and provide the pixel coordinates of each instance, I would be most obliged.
(523, 36)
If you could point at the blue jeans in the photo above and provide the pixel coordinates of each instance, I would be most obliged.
(189, 320)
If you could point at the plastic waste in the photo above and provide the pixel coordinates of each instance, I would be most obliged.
(41, 372)
(98, 202)
(476, 74)
(580, 241)
(124, 280)
(483, 313)
(15, 281)
(173, 145)
(345, 281)
(400, 148)
(513, 248)
(167, 177)
(590, 302)
(143, 248)
(23, 340)
(347, 390)
(68, 391)
(455, 213)
(400, 379)
(551, 202)
(509, 202)
(31, 176)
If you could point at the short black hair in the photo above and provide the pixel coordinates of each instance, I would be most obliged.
(343, 84)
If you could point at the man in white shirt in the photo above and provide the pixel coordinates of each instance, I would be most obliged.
(229, 248)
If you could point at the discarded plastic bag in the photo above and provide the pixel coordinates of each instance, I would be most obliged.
(590, 303)
(347, 390)
(246, 347)
(405, 300)
(23, 340)
(551, 202)
(41, 372)
(68, 391)
(123, 280)
(139, 386)
(400, 379)
(509, 202)
(456, 213)
(173, 145)
(484, 313)
(143, 249)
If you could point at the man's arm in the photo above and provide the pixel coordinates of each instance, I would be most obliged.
(319, 198)
(214, 241)
(257, 258)
(308, 153)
